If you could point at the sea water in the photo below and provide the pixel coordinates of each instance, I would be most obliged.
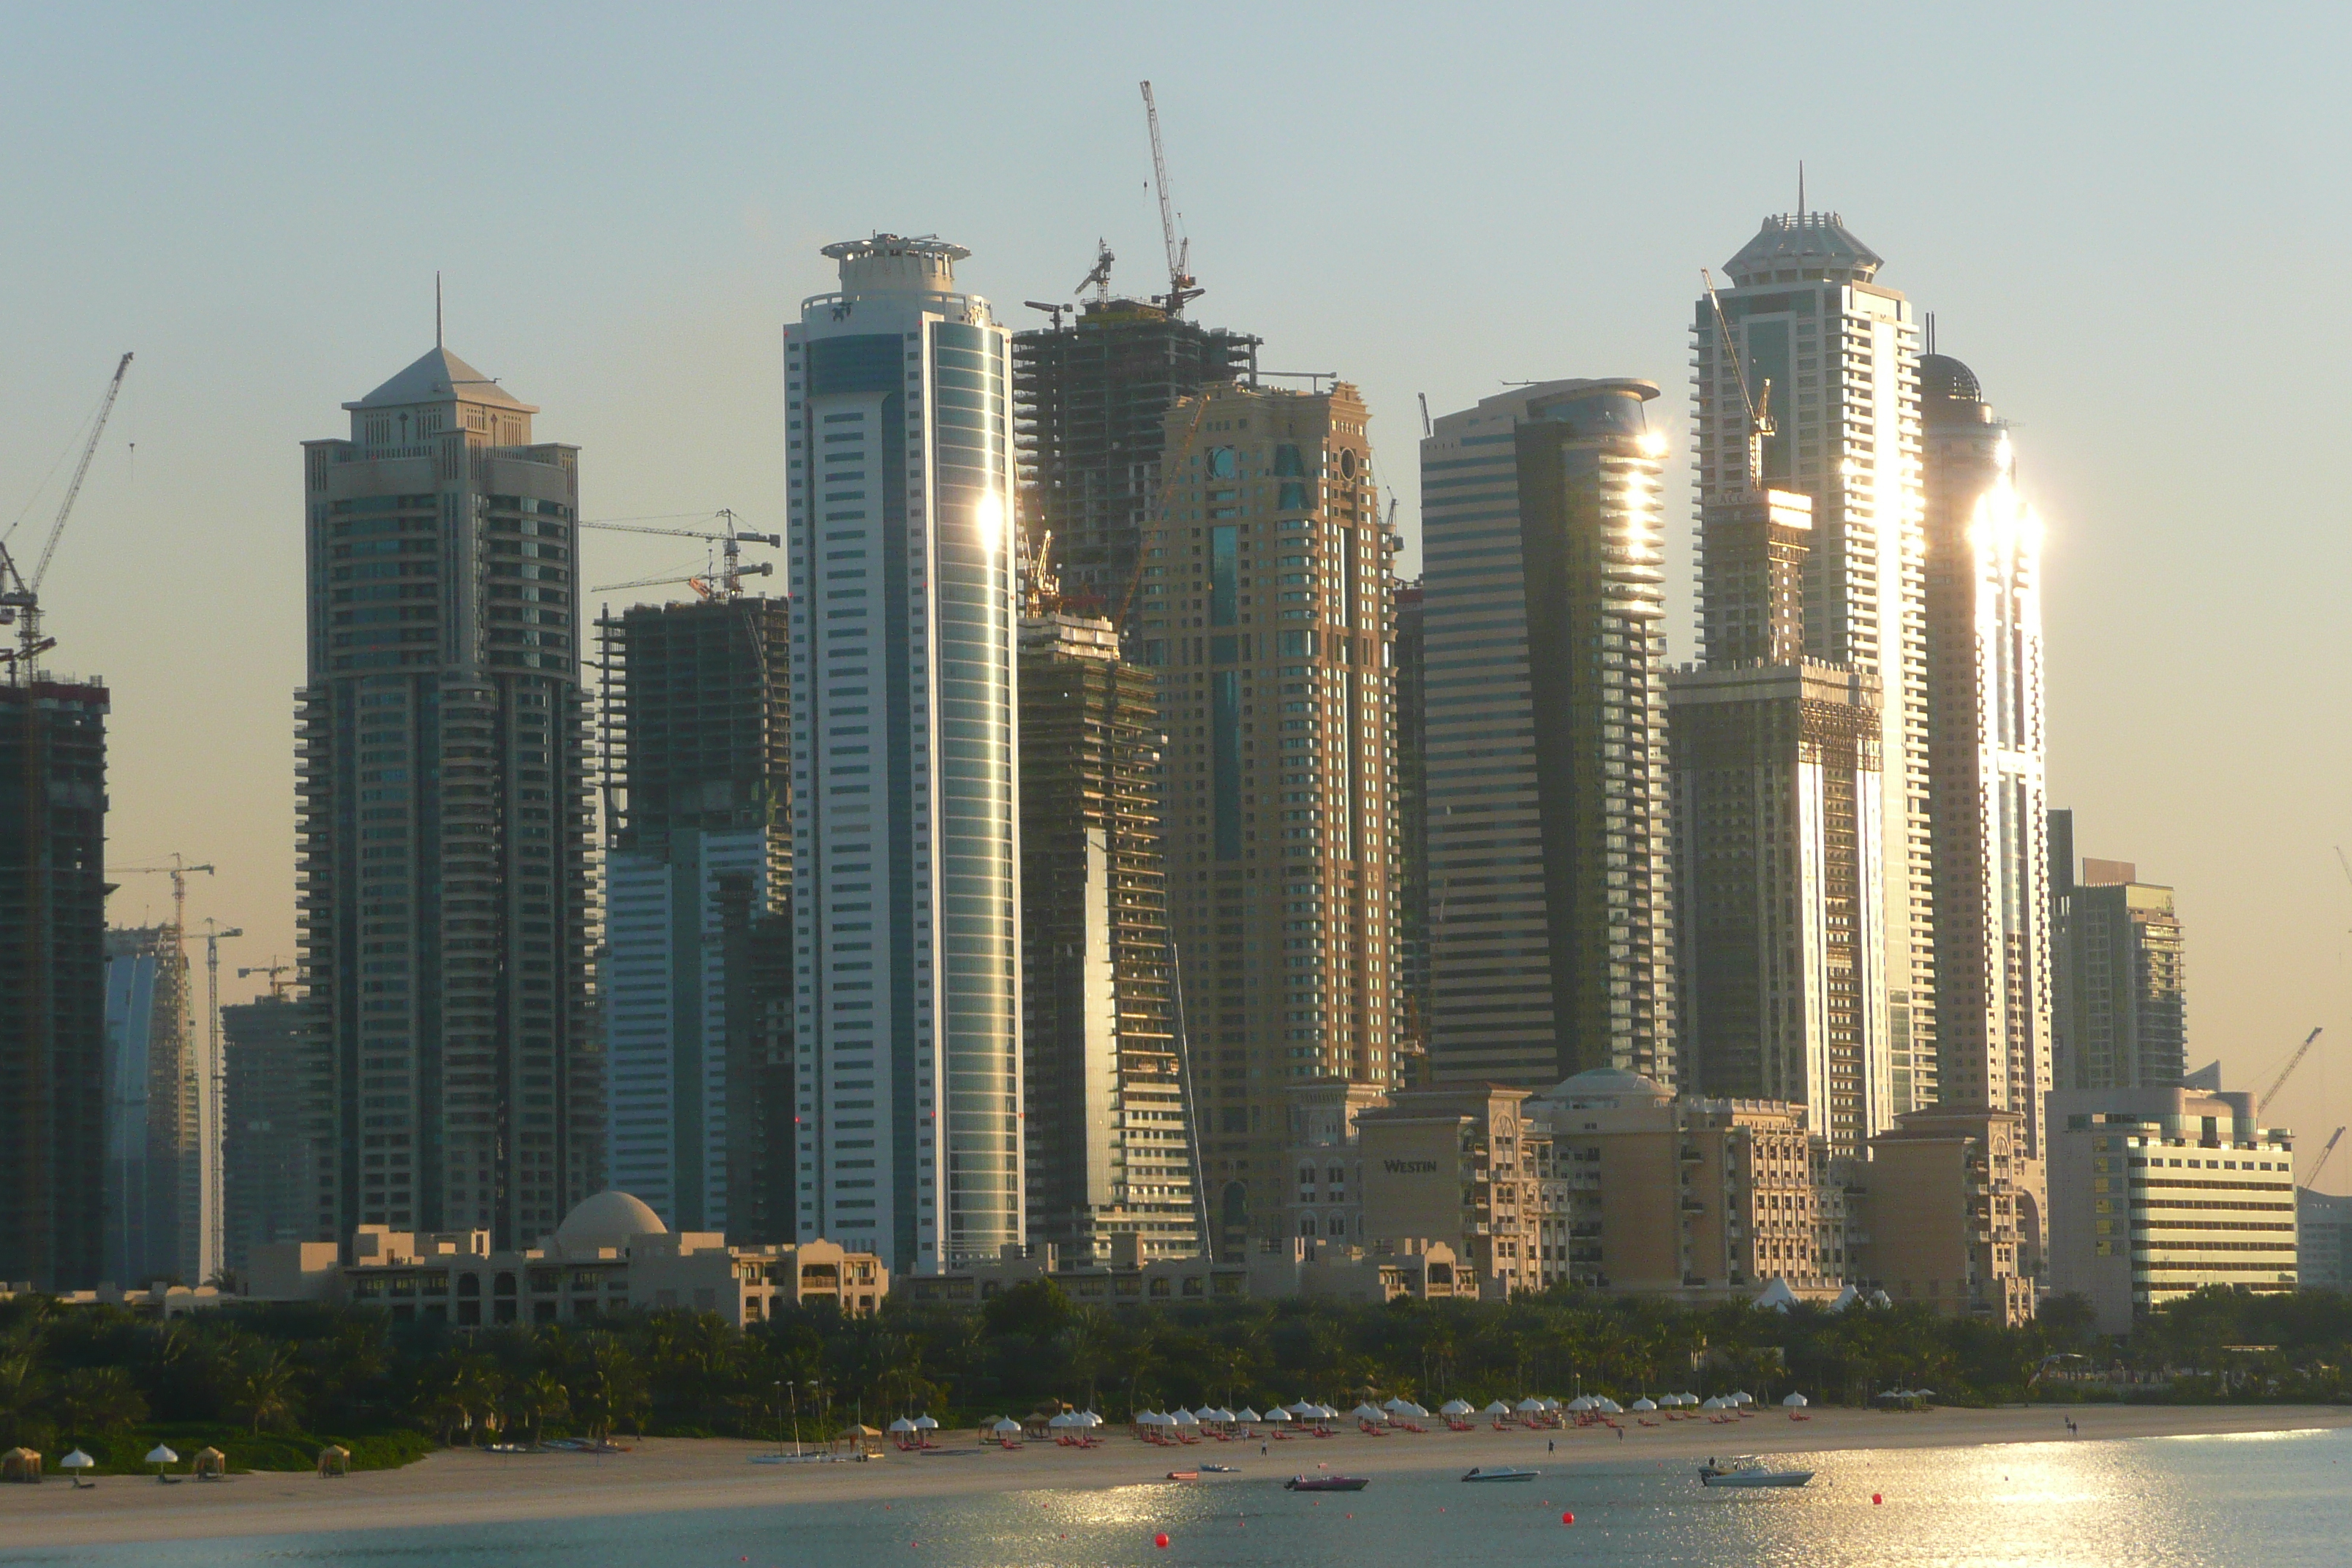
(2253, 1500)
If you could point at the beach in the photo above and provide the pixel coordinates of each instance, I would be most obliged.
(657, 1475)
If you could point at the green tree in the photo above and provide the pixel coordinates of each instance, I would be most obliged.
(98, 1402)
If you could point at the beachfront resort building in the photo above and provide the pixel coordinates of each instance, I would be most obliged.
(1274, 1268)
(2156, 1193)
(612, 1253)
(906, 843)
(1947, 1213)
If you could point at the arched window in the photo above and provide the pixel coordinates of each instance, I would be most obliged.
(469, 1284)
(1306, 1224)
(505, 1286)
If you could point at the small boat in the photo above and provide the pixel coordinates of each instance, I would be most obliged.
(1747, 1470)
(1220, 1470)
(1501, 1473)
(1183, 1475)
(1326, 1483)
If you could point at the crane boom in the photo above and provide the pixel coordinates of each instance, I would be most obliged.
(1759, 410)
(82, 472)
(20, 596)
(1181, 284)
(2314, 1178)
(2292, 1062)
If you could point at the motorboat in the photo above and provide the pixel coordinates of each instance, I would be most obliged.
(1747, 1470)
(1219, 1470)
(1500, 1473)
(1326, 1483)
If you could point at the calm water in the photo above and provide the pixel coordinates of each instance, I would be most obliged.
(2270, 1500)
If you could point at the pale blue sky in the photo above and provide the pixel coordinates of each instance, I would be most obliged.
(2128, 219)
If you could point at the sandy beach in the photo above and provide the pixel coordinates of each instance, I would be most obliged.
(466, 1486)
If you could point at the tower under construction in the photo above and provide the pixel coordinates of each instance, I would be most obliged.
(1091, 402)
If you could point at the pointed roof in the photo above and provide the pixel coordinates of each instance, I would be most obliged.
(1815, 243)
(438, 374)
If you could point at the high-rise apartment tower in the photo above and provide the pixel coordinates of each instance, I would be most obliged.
(155, 1170)
(695, 716)
(52, 979)
(1994, 977)
(268, 1188)
(1110, 1124)
(442, 793)
(1543, 672)
(1265, 611)
(1841, 351)
(2121, 976)
(906, 848)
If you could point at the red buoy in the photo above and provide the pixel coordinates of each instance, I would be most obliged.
(1568, 1519)
(1877, 1498)
(1161, 1540)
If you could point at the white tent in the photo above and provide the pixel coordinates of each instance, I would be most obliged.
(1007, 1426)
(1776, 1297)
(1796, 1402)
(1880, 1298)
(902, 1424)
(1710, 1403)
(1647, 1404)
(1845, 1298)
(1457, 1407)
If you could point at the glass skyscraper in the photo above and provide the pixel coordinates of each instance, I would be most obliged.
(442, 784)
(906, 934)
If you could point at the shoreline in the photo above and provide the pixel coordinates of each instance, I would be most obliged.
(463, 1487)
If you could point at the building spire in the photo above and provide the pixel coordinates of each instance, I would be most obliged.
(437, 302)
(1800, 188)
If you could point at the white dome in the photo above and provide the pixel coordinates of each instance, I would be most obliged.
(608, 1219)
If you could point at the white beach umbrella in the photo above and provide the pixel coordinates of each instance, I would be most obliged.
(1456, 1407)
(161, 1455)
(1418, 1411)
(1006, 1426)
(1796, 1401)
(902, 1424)
(1182, 1418)
(925, 1424)
(1530, 1407)
(1065, 1421)
(1277, 1413)
(1710, 1403)
(77, 1460)
(1645, 1404)
(1741, 1397)
(1610, 1407)
(1398, 1407)
(1497, 1408)
(1248, 1414)
(1367, 1412)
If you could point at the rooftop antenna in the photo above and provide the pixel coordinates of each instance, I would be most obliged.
(437, 307)
(1801, 187)
(1426, 428)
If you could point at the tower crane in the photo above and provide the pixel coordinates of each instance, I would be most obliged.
(1181, 285)
(726, 583)
(269, 971)
(1760, 408)
(179, 870)
(2313, 1180)
(1098, 280)
(2292, 1062)
(20, 596)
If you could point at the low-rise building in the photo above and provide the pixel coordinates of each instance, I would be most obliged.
(159, 1300)
(2156, 1193)
(1946, 1205)
(1459, 1163)
(1278, 1269)
(1327, 1197)
(2323, 1240)
(611, 1254)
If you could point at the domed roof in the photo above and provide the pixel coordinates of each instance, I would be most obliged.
(1803, 244)
(608, 1219)
(1605, 1083)
(1941, 375)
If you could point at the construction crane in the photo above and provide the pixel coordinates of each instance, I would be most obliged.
(726, 582)
(1760, 408)
(2292, 1062)
(179, 870)
(1098, 280)
(1181, 285)
(215, 1086)
(20, 596)
(2313, 1180)
(270, 972)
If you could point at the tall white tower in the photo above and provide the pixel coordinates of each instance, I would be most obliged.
(906, 844)
(1993, 956)
(1841, 354)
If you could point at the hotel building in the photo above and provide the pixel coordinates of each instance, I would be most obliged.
(905, 846)
(2122, 991)
(442, 787)
(1264, 609)
(1542, 690)
(1839, 350)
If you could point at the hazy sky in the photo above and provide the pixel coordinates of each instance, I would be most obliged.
(2129, 220)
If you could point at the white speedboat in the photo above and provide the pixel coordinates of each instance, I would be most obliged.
(1500, 1473)
(1747, 1470)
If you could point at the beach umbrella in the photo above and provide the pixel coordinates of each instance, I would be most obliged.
(1398, 1407)
(1277, 1413)
(1063, 1420)
(1497, 1408)
(1416, 1410)
(160, 1455)
(925, 1424)
(1182, 1418)
(902, 1424)
(1612, 1407)
(1743, 1397)
(1006, 1426)
(1796, 1401)
(1456, 1407)
(1710, 1403)
(1645, 1404)
(1530, 1407)
(77, 1460)
(1368, 1412)
(1248, 1414)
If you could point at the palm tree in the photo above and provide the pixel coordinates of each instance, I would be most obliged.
(262, 1386)
(23, 1390)
(607, 1385)
(93, 1401)
(539, 1396)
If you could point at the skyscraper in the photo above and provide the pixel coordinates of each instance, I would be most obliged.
(443, 791)
(1840, 351)
(906, 848)
(52, 979)
(1776, 766)
(2121, 990)
(1109, 1122)
(1265, 611)
(1092, 400)
(154, 1169)
(1543, 681)
(1413, 835)
(269, 1186)
(1984, 706)
(697, 739)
